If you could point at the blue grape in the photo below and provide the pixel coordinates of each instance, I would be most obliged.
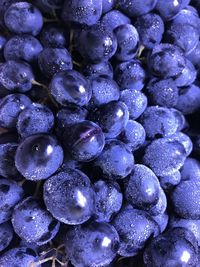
(6, 235)
(97, 44)
(185, 199)
(150, 28)
(190, 170)
(10, 108)
(38, 157)
(184, 140)
(169, 9)
(102, 69)
(20, 256)
(107, 5)
(133, 135)
(92, 244)
(161, 206)
(54, 60)
(104, 90)
(135, 228)
(164, 156)
(162, 92)
(168, 182)
(134, 8)
(84, 140)
(22, 47)
(2, 42)
(142, 188)
(184, 36)
(162, 221)
(166, 61)
(7, 161)
(16, 76)
(128, 42)
(136, 102)
(112, 118)
(34, 119)
(130, 74)
(54, 36)
(189, 99)
(113, 19)
(159, 122)
(82, 11)
(10, 194)
(23, 17)
(176, 247)
(116, 160)
(194, 56)
(69, 196)
(33, 223)
(108, 200)
(181, 121)
(71, 87)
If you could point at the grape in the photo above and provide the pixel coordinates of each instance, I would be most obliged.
(107, 5)
(136, 102)
(34, 119)
(134, 8)
(108, 200)
(54, 60)
(10, 108)
(190, 170)
(70, 87)
(150, 28)
(133, 135)
(112, 118)
(16, 76)
(102, 69)
(142, 188)
(135, 227)
(82, 11)
(194, 56)
(167, 182)
(84, 141)
(116, 160)
(184, 140)
(69, 196)
(10, 194)
(6, 235)
(162, 221)
(22, 47)
(38, 157)
(33, 223)
(92, 244)
(20, 256)
(23, 17)
(130, 74)
(128, 42)
(161, 205)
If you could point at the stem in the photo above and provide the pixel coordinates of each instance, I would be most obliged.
(37, 188)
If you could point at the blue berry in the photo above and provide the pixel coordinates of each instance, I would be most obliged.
(16, 76)
(150, 28)
(34, 119)
(69, 197)
(133, 135)
(10, 194)
(164, 156)
(134, 8)
(190, 169)
(33, 223)
(108, 200)
(128, 42)
(6, 235)
(84, 140)
(130, 74)
(70, 87)
(54, 60)
(97, 44)
(23, 17)
(20, 256)
(112, 118)
(116, 160)
(135, 228)
(22, 47)
(136, 102)
(92, 244)
(102, 69)
(82, 11)
(38, 157)
(162, 92)
(10, 108)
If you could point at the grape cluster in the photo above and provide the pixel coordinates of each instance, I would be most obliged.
(99, 133)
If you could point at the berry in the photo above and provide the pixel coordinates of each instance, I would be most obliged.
(6, 235)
